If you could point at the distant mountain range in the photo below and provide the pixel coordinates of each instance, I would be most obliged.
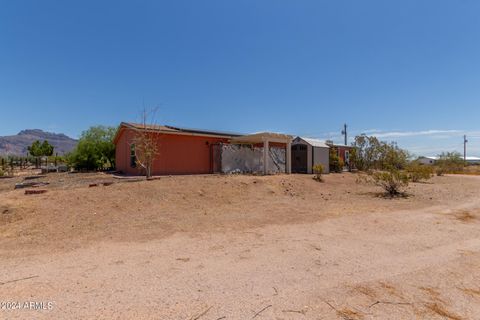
(17, 144)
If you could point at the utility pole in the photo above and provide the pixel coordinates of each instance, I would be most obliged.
(465, 149)
(344, 132)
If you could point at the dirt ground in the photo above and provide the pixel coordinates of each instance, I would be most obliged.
(239, 247)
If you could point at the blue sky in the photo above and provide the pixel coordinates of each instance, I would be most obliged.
(404, 70)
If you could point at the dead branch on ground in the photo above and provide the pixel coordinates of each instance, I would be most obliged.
(204, 312)
(15, 280)
(258, 313)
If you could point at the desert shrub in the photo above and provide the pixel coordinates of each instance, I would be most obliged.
(336, 163)
(472, 169)
(449, 162)
(353, 159)
(373, 154)
(341, 164)
(318, 170)
(439, 171)
(392, 181)
(1, 172)
(418, 172)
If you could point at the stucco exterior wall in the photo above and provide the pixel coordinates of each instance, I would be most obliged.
(341, 152)
(178, 154)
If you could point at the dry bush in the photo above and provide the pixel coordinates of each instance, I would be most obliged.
(450, 162)
(418, 172)
(318, 170)
(393, 181)
(473, 169)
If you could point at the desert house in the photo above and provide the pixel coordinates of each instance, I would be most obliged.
(473, 160)
(427, 160)
(307, 152)
(193, 151)
(433, 160)
(343, 152)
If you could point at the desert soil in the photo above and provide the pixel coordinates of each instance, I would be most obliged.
(240, 247)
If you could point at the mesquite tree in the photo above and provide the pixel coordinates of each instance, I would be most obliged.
(145, 142)
(38, 149)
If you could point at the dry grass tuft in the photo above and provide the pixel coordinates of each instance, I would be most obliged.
(465, 216)
(442, 311)
(471, 292)
(348, 314)
(434, 294)
(391, 290)
(366, 291)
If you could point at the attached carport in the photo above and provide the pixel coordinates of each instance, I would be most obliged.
(267, 139)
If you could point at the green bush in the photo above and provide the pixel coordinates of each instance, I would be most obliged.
(95, 149)
(318, 170)
(418, 172)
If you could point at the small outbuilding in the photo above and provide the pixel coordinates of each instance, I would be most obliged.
(307, 152)
(427, 160)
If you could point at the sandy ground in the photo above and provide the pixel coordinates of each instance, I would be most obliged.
(240, 247)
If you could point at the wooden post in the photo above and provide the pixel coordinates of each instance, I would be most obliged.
(288, 160)
(265, 156)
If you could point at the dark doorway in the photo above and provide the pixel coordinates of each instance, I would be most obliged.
(299, 158)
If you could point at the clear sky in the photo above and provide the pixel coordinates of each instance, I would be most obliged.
(405, 70)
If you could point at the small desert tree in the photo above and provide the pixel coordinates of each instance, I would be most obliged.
(47, 149)
(145, 142)
(373, 154)
(336, 163)
(367, 152)
(38, 149)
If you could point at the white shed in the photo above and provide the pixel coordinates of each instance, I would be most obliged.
(307, 152)
(427, 160)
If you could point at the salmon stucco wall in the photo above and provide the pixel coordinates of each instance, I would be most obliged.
(178, 154)
(341, 152)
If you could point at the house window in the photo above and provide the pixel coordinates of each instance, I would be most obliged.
(133, 158)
